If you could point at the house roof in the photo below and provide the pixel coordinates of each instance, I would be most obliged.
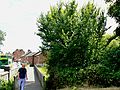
(31, 54)
(25, 54)
(37, 53)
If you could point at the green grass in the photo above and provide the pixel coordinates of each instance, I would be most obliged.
(43, 70)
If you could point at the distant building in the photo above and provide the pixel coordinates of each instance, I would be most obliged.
(17, 54)
(28, 57)
(39, 58)
(33, 58)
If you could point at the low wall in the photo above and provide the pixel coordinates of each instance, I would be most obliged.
(4, 75)
(41, 77)
(13, 72)
(16, 86)
(10, 74)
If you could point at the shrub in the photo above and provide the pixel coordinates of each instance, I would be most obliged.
(98, 75)
(6, 85)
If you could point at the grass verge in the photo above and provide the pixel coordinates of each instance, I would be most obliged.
(43, 70)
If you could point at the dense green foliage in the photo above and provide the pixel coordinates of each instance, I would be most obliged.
(6, 85)
(76, 45)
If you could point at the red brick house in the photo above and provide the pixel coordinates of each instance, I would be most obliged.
(24, 56)
(33, 58)
(29, 57)
(39, 58)
(17, 54)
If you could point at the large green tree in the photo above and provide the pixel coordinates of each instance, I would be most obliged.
(73, 38)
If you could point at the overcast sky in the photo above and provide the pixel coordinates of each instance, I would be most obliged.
(18, 19)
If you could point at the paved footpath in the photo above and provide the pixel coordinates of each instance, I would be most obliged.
(32, 83)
